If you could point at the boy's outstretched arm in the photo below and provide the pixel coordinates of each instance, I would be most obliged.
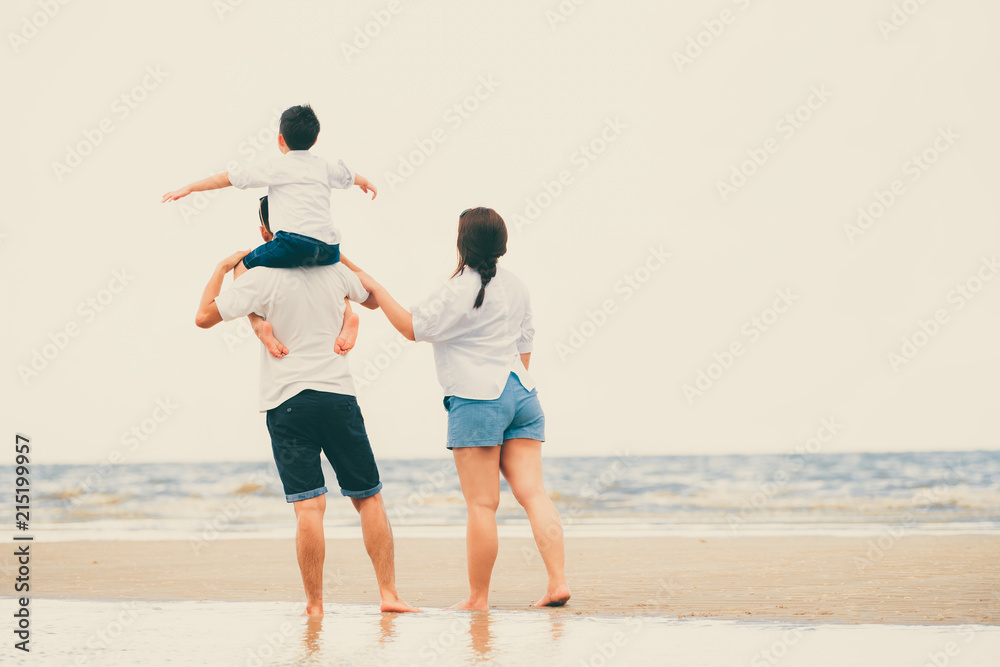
(220, 180)
(365, 184)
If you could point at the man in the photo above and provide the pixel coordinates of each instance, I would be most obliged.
(309, 399)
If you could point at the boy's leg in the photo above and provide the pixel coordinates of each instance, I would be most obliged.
(265, 333)
(349, 332)
(261, 327)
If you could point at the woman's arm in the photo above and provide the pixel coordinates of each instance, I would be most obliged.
(526, 359)
(398, 316)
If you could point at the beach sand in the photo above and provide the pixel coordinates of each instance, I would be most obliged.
(913, 580)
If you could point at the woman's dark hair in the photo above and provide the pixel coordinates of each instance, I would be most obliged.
(299, 126)
(482, 240)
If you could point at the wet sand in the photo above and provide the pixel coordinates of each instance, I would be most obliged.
(916, 579)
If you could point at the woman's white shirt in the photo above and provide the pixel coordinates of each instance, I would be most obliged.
(476, 349)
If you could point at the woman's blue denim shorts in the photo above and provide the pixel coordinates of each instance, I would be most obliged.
(475, 423)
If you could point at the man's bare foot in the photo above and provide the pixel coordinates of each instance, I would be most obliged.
(348, 334)
(555, 598)
(272, 344)
(397, 605)
(467, 605)
(313, 610)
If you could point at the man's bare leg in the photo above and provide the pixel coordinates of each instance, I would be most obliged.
(521, 465)
(478, 472)
(261, 327)
(378, 542)
(349, 333)
(310, 548)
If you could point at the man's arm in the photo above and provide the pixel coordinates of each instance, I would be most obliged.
(220, 180)
(208, 311)
(365, 185)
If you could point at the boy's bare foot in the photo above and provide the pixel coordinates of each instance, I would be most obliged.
(348, 334)
(273, 345)
(467, 605)
(557, 597)
(397, 606)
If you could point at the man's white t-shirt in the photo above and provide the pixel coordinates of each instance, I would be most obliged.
(476, 349)
(298, 192)
(305, 307)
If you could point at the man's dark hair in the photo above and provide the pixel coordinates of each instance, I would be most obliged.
(263, 214)
(300, 127)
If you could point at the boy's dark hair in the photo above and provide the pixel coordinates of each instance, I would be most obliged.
(482, 239)
(263, 214)
(300, 127)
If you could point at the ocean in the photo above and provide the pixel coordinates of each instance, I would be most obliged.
(820, 494)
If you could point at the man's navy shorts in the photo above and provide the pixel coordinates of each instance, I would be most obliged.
(314, 421)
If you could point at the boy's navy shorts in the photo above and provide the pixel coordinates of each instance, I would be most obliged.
(317, 421)
(288, 250)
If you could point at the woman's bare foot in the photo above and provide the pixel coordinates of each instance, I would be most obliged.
(397, 605)
(556, 597)
(273, 345)
(467, 605)
(348, 334)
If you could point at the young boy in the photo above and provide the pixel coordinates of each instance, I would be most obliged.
(298, 198)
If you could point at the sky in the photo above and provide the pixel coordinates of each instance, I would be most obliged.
(746, 226)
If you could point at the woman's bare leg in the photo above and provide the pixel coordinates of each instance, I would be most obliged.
(479, 473)
(521, 465)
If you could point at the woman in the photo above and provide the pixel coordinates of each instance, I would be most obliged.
(480, 327)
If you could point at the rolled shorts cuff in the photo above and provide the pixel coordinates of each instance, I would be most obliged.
(305, 495)
(474, 443)
(362, 494)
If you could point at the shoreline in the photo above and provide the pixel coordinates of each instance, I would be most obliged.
(933, 580)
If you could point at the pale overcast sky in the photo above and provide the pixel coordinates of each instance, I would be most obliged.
(682, 183)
